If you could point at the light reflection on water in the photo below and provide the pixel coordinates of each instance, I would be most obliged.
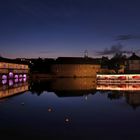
(12, 87)
(119, 87)
(69, 108)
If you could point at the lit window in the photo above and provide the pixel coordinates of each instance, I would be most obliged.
(11, 75)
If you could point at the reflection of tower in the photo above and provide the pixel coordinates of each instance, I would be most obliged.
(86, 53)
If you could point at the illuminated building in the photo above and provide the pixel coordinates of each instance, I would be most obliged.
(10, 69)
(75, 67)
(133, 64)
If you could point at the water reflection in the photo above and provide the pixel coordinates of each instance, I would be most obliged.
(73, 87)
(130, 92)
(84, 86)
(65, 87)
(11, 83)
(16, 80)
(120, 87)
(4, 81)
(107, 113)
(131, 98)
(12, 87)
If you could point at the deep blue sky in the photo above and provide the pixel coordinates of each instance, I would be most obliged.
(52, 28)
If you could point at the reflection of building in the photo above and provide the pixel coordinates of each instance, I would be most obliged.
(74, 84)
(133, 99)
(133, 64)
(131, 92)
(75, 67)
(119, 87)
(117, 78)
(14, 89)
(65, 86)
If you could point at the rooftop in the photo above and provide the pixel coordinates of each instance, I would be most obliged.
(7, 60)
(134, 57)
(77, 60)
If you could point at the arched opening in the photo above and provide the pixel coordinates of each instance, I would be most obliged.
(20, 76)
(4, 81)
(16, 76)
(24, 75)
(11, 83)
(4, 77)
(16, 80)
(20, 80)
(11, 74)
(24, 79)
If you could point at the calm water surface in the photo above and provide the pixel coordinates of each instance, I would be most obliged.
(68, 109)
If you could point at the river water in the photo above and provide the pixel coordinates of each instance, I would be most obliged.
(71, 108)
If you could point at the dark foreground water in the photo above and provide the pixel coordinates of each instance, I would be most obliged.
(68, 109)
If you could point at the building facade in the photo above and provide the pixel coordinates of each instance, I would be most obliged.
(75, 67)
(132, 64)
(10, 69)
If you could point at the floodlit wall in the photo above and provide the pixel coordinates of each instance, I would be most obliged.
(75, 70)
(15, 68)
(4, 65)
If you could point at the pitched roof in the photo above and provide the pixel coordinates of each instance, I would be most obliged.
(134, 57)
(77, 60)
(7, 60)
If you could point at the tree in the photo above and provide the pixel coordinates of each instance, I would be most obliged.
(116, 61)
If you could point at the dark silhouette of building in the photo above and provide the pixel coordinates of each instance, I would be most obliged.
(132, 64)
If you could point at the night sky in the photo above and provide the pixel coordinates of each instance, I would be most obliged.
(53, 28)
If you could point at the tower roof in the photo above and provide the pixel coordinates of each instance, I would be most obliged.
(134, 57)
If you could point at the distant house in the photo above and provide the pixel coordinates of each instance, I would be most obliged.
(76, 67)
(114, 65)
(132, 64)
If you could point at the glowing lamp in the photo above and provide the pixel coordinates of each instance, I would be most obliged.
(24, 75)
(16, 76)
(4, 82)
(11, 83)
(4, 77)
(11, 75)
(20, 80)
(24, 79)
(16, 80)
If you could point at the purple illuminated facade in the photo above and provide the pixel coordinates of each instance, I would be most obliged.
(10, 70)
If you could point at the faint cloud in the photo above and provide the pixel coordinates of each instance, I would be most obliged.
(118, 48)
(127, 37)
(112, 50)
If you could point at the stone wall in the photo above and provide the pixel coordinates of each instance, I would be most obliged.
(5, 65)
(75, 70)
(5, 68)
